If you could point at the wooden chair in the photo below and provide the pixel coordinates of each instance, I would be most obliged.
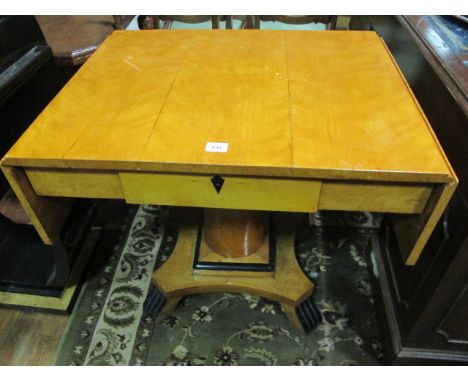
(187, 20)
(329, 21)
(164, 22)
(121, 22)
(145, 22)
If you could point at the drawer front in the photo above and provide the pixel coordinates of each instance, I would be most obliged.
(236, 192)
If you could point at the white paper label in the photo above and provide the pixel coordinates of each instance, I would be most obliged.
(216, 147)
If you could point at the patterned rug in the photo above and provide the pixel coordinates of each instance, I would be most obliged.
(109, 327)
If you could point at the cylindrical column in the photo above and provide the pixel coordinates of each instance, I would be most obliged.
(234, 233)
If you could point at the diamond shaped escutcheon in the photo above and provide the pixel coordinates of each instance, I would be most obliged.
(217, 183)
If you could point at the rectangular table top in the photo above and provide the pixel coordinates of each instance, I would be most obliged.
(324, 104)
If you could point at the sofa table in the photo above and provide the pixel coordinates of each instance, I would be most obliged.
(239, 123)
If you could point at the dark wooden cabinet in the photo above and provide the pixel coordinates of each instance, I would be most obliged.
(425, 307)
(74, 38)
(29, 79)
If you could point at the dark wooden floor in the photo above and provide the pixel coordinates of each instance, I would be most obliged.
(29, 337)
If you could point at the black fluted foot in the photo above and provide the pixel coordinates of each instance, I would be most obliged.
(309, 315)
(154, 303)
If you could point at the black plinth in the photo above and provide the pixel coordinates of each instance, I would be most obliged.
(27, 265)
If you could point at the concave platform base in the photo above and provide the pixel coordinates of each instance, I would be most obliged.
(288, 285)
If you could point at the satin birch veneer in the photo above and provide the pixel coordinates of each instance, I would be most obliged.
(294, 121)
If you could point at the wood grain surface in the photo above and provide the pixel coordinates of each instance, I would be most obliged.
(29, 338)
(289, 103)
(234, 233)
